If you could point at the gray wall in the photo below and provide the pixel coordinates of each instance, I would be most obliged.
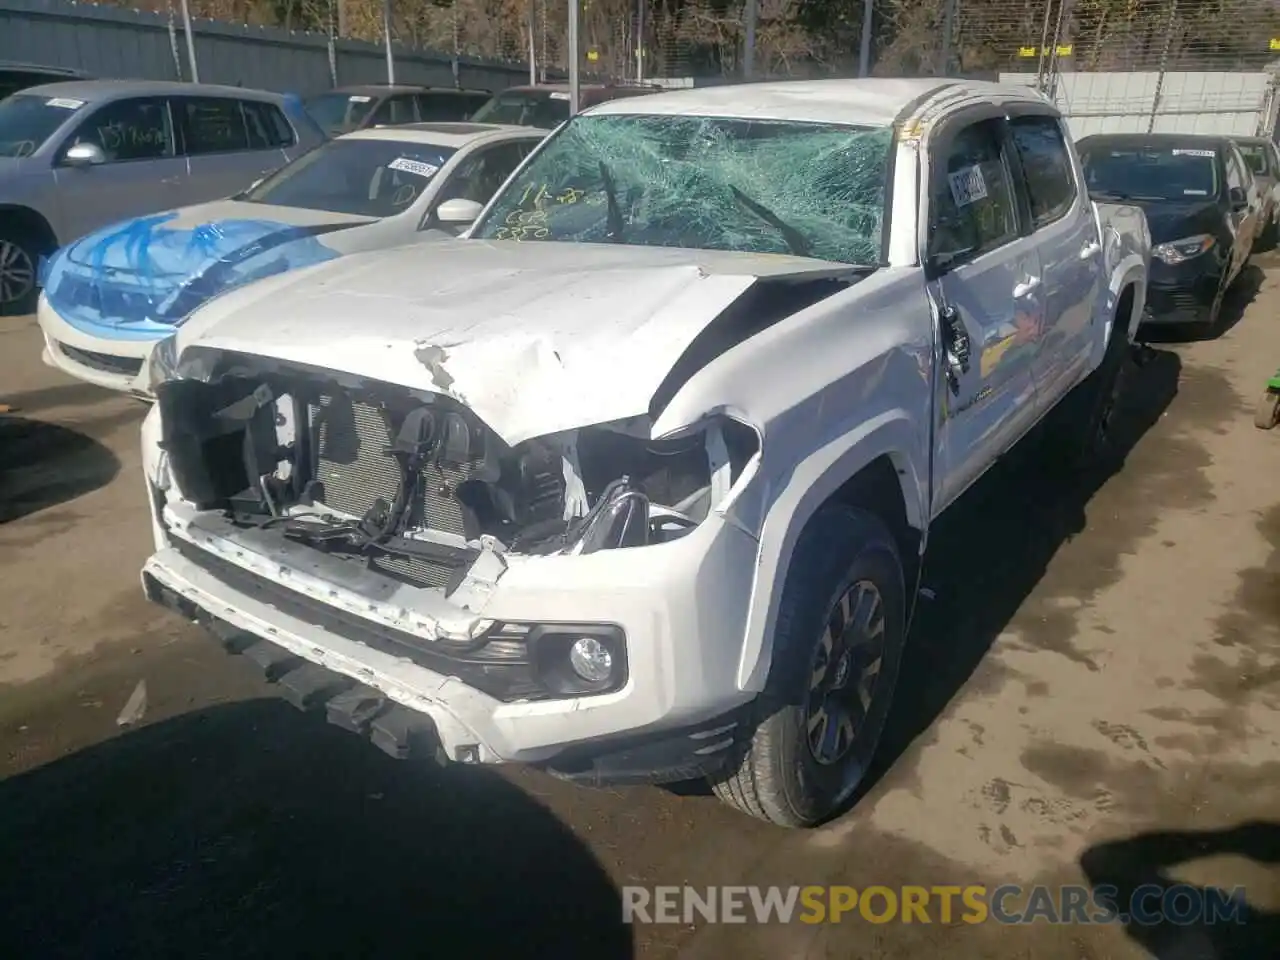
(118, 42)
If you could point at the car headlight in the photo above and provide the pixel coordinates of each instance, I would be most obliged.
(1177, 251)
(162, 365)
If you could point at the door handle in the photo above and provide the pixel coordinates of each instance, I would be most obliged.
(1089, 249)
(1025, 287)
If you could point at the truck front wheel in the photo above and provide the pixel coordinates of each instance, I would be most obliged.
(836, 652)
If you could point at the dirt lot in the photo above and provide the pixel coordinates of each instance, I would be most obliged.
(1093, 694)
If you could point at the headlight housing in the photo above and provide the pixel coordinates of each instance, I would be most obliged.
(1179, 251)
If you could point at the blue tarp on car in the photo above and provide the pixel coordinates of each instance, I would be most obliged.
(139, 279)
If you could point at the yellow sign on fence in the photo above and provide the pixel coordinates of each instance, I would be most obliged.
(1275, 43)
(1027, 52)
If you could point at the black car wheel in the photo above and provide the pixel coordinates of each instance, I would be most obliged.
(836, 653)
(17, 274)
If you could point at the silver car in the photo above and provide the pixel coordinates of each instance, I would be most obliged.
(76, 156)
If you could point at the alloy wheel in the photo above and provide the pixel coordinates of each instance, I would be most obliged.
(846, 668)
(17, 272)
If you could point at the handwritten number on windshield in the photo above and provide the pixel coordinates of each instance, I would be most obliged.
(528, 224)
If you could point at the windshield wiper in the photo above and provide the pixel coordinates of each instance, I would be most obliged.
(796, 241)
(613, 229)
(1123, 197)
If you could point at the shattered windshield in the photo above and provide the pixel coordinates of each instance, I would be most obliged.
(369, 178)
(707, 183)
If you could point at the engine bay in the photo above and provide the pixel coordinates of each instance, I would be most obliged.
(416, 486)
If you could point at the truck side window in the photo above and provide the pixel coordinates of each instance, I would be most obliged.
(1046, 164)
(971, 203)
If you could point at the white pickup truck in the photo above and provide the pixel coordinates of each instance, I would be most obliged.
(634, 480)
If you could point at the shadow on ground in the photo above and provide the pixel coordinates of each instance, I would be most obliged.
(1237, 300)
(989, 551)
(249, 830)
(1131, 865)
(42, 464)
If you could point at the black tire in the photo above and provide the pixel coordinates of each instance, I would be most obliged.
(19, 258)
(1213, 320)
(1078, 433)
(844, 556)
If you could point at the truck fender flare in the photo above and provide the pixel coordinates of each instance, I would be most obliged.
(1130, 273)
(799, 493)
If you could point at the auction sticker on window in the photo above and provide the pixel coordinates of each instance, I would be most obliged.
(559, 96)
(416, 167)
(64, 103)
(967, 186)
(1179, 152)
(356, 99)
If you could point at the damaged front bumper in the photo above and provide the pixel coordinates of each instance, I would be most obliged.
(478, 676)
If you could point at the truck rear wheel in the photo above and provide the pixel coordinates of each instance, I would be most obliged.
(1079, 432)
(836, 652)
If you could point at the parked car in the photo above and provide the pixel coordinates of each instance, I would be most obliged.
(75, 156)
(345, 109)
(633, 482)
(15, 76)
(111, 295)
(1263, 158)
(1203, 208)
(547, 105)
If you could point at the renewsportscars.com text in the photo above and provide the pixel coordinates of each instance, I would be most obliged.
(1180, 904)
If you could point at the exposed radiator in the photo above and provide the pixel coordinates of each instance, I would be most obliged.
(351, 439)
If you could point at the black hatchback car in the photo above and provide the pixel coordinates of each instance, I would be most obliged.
(1202, 206)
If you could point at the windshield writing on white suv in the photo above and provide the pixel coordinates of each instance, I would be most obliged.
(705, 183)
(371, 178)
(1152, 173)
(27, 121)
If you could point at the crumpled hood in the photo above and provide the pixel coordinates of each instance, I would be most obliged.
(155, 270)
(533, 337)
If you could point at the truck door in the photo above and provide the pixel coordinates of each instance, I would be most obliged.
(988, 298)
(1066, 234)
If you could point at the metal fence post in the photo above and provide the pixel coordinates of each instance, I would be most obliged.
(333, 51)
(575, 87)
(948, 34)
(173, 42)
(1164, 63)
(864, 53)
(386, 34)
(191, 42)
(532, 16)
(750, 14)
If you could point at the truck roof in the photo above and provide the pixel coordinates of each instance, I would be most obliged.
(871, 102)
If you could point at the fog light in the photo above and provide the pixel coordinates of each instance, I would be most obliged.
(591, 660)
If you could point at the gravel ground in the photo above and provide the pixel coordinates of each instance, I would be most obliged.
(1091, 695)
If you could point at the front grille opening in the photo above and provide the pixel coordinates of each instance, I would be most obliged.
(102, 362)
